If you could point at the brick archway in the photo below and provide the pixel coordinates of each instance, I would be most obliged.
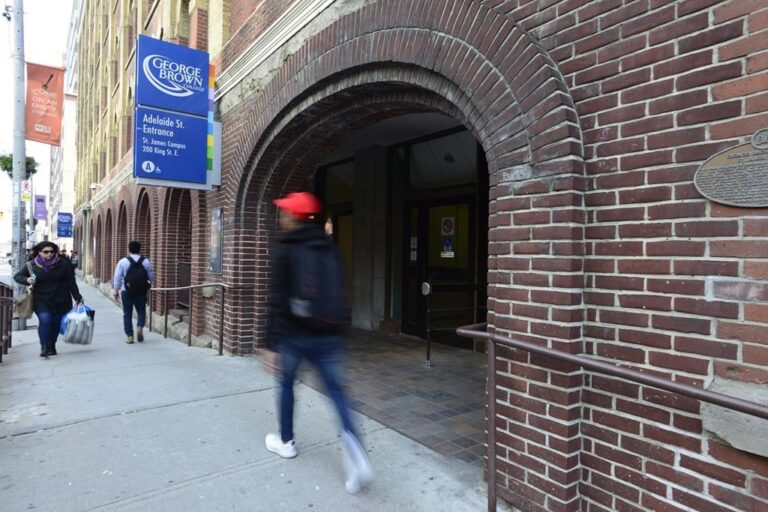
(142, 230)
(108, 243)
(121, 238)
(173, 267)
(490, 75)
(98, 249)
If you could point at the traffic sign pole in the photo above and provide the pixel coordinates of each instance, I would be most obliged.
(19, 152)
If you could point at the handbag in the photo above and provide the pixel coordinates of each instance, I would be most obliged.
(24, 304)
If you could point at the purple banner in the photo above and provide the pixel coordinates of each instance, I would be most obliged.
(40, 213)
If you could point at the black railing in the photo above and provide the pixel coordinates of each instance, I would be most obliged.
(223, 288)
(6, 319)
(479, 331)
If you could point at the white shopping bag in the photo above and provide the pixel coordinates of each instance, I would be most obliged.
(79, 326)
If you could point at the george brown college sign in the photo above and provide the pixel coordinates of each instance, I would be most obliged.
(737, 176)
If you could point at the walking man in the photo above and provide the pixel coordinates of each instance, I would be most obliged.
(133, 278)
(305, 321)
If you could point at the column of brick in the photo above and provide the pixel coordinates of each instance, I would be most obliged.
(198, 257)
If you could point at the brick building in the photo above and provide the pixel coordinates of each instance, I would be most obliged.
(559, 137)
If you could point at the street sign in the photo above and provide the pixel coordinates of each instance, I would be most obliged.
(64, 225)
(26, 186)
(172, 116)
(169, 146)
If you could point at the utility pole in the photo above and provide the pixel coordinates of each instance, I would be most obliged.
(19, 150)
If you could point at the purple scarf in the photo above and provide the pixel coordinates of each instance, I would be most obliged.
(45, 264)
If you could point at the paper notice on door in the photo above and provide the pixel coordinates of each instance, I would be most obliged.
(447, 251)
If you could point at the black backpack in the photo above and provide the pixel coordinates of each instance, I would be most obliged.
(136, 279)
(317, 291)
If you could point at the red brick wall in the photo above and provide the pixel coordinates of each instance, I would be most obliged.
(248, 19)
(659, 87)
(198, 29)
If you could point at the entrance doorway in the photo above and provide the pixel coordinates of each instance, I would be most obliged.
(440, 238)
(409, 209)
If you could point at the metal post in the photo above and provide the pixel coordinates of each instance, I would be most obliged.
(221, 322)
(165, 313)
(428, 363)
(2, 328)
(491, 347)
(426, 291)
(191, 316)
(149, 305)
(19, 149)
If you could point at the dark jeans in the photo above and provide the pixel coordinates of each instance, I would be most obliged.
(48, 328)
(325, 353)
(129, 303)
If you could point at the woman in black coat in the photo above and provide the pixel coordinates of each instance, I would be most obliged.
(53, 288)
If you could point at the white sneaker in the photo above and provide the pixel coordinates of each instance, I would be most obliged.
(356, 463)
(275, 444)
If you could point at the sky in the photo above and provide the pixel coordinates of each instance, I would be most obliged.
(46, 25)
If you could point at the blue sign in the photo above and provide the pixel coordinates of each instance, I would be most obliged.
(64, 225)
(172, 77)
(169, 146)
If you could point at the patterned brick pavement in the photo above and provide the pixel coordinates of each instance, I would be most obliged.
(441, 407)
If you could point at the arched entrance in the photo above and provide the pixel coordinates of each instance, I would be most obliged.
(178, 244)
(108, 243)
(121, 240)
(143, 223)
(96, 248)
(496, 81)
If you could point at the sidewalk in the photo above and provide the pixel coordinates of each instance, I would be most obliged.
(158, 426)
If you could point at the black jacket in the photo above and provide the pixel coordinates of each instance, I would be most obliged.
(280, 322)
(53, 290)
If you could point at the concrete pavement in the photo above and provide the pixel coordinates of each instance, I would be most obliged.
(159, 426)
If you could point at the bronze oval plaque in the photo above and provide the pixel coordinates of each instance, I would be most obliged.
(737, 177)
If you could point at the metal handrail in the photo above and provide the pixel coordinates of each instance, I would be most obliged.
(165, 291)
(474, 331)
(6, 319)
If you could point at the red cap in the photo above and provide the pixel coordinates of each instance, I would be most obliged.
(299, 204)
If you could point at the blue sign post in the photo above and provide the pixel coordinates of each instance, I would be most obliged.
(64, 225)
(171, 116)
